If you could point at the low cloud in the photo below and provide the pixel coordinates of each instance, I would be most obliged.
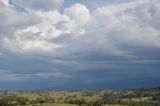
(9, 76)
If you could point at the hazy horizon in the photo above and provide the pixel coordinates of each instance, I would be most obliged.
(85, 44)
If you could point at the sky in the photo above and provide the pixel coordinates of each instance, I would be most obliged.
(79, 44)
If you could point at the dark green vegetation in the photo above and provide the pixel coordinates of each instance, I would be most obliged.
(135, 97)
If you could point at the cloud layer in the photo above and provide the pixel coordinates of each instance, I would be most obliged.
(43, 5)
(94, 48)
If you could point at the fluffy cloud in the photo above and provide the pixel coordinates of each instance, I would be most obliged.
(52, 24)
(115, 25)
(130, 23)
(79, 13)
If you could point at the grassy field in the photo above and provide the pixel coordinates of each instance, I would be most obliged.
(62, 104)
(61, 96)
(53, 104)
(134, 97)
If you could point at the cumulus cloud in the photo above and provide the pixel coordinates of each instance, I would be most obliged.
(128, 22)
(131, 23)
(52, 24)
(115, 25)
(79, 13)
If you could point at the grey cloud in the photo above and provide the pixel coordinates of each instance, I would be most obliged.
(120, 48)
(39, 5)
(11, 20)
(154, 11)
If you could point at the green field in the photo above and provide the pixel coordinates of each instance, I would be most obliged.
(130, 97)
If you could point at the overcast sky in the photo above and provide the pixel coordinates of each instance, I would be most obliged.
(79, 44)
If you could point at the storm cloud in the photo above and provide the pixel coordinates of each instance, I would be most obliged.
(70, 45)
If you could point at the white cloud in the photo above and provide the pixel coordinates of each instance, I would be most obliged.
(5, 2)
(34, 38)
(79, 13)
(130, 24)
(25, 46)
(49, 20)
(106, 28)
